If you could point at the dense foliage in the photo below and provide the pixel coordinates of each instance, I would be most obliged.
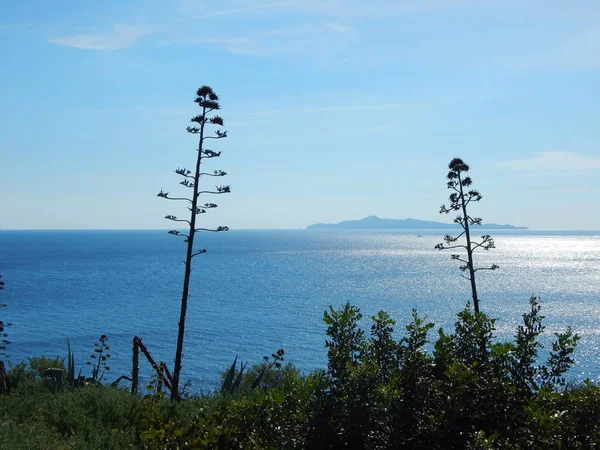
(462, 390)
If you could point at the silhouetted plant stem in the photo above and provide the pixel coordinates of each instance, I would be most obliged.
(99, 358)
(3, 343)
(208, 101)
(459, 200)
(188, 268)
(469, 248)
(3, 336)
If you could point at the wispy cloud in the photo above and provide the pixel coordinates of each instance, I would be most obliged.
(16, 26)
(251, 9)
(577, 48)
(554, 161)
(324, 108)
(297, 40)
(243, 45)
(580, 50)
(233, 44)
(331, 8)
(179, 27)
(340, 28)
(358, 8)
(121, 36)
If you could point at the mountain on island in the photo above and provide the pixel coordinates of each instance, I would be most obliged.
(376, 223)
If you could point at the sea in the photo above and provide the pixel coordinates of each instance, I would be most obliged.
(257, 291)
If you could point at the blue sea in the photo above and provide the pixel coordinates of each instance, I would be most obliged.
(258, 291)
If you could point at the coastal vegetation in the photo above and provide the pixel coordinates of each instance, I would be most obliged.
(461, 389)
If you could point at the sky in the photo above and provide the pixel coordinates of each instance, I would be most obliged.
(335, 109)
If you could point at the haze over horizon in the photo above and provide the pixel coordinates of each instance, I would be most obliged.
(336, 110)
(316, 224)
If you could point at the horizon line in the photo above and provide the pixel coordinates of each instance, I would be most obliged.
(299, 229)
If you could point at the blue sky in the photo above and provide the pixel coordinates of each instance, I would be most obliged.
(335, 109)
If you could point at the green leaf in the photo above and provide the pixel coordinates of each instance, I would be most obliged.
(228, 381)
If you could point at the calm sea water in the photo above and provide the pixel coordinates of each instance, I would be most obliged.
(257, 291)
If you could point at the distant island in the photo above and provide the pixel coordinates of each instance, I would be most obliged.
(377, 223)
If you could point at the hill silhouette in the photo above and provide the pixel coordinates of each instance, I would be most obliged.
(377, 223)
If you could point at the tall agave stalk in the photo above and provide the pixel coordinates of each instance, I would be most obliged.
(460, 198)
(208, 102)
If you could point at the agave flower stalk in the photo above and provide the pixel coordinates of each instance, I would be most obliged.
(460, 198)
(208, 102)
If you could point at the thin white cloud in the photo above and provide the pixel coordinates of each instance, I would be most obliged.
(121, 36)
(576, 49)
(16, 26)
(331, 8)
(554, 161)
(581, 50)
(340, 28)
(358, 8)
(324, 108)
(254, 8)
(244, 45)
(298, 40)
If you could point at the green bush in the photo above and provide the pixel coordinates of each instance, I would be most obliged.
(461, 389)
(94, 416)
